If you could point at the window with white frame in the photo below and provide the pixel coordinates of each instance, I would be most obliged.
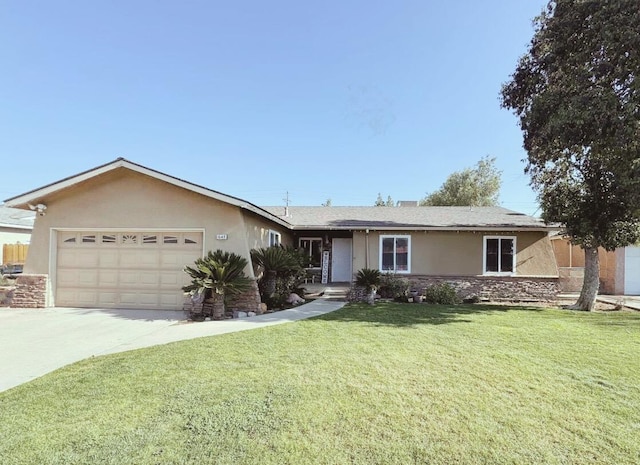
(499, 255)
(395, 254)
(312, 246)
(274, 238)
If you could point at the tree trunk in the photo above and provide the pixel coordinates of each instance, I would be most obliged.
(591, 283)
(218, 306)
(270, 283)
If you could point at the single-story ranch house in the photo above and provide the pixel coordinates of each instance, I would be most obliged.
(119, 235)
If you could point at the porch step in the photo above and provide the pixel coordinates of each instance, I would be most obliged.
(328, 291)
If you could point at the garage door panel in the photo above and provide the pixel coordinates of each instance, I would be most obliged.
(171, 301)
(149, 258)
(172, 279)
(67, 278)
(144, 271)
(171, 259)
(148, 299)
(108, 278)
(108, 258)
(128, 299)
(108, 299)
(128, 278)
(149, 278)
(88, 278)
(78, 259)
(77, 298)
(86, 259)
(128, 259)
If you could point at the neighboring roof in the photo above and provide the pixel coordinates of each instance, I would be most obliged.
(409, 218)
(16, 219)
(37, 194)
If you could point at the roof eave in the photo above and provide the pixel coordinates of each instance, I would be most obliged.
(424, 228)
(16, 226)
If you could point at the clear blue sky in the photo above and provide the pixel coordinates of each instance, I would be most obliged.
(333, 99)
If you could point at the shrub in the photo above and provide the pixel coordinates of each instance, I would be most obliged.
(283, 272)
(358, 294)
(441, 293)
(219, 275)
(368, 278)
(394, 287)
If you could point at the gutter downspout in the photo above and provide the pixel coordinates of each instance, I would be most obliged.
(366, 244)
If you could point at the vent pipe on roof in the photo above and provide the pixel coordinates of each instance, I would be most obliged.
(286, 205)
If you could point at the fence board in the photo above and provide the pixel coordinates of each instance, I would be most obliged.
(14, 254)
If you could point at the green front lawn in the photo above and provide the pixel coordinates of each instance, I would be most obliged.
(390, 384)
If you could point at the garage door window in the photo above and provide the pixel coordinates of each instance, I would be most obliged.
(108, 238)
(149, 239)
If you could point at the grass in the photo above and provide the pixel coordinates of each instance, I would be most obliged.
(390, 384)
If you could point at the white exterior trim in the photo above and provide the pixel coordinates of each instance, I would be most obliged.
(276, 235)
(395, 236)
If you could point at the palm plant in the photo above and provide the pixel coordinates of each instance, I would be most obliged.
(274, 261)
(218, 275)
(370, 280)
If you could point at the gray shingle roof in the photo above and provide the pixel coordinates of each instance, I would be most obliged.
(408, 218)
(16, 218)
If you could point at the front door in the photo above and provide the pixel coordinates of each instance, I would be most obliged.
(341, 260)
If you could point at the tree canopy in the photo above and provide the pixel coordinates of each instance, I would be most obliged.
(479, 186)
(577, 96)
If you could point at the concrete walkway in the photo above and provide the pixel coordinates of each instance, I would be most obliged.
(34, 342)
(628, 301)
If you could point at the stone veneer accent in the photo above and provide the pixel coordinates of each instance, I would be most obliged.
(495, 288)
(30, 291)
(246, 302)
(6, 294)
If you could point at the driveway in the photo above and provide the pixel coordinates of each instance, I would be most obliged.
(37, 341)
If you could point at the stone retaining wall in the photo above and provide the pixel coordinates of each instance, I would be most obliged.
(495, 288)
(6, 294)
(30, 291)
(246, 302)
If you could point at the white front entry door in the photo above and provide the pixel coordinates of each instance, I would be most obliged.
(632, 270)
(341, 260)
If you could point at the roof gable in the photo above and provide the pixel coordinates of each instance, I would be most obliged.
(37, 194)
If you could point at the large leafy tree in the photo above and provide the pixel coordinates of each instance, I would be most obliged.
(477, 187)
(577, 96)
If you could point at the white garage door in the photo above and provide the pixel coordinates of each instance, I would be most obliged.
(632, 270)
(124, 269)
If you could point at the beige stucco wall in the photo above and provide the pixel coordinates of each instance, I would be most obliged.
(257, 231)
(125, 199)
(451, 253)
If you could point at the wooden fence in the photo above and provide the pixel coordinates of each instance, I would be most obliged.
(14, 254)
